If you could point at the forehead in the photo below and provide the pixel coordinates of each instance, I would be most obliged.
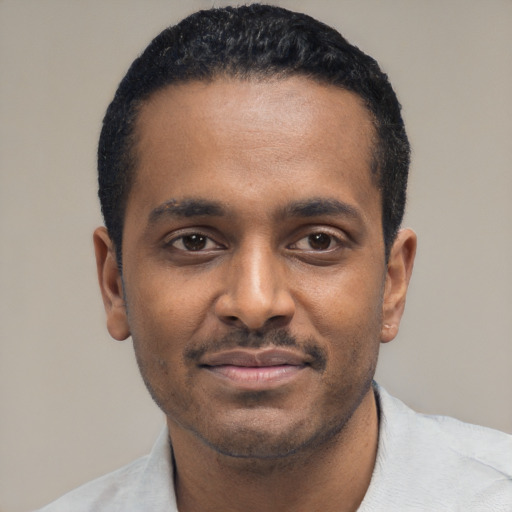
(252, 135)
(284, 107)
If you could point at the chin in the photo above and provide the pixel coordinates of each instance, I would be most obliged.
(267, 439)
(248, 444)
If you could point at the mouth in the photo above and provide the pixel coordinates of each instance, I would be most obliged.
(255, 369)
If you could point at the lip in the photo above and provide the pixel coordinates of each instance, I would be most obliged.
(255, 358)
(256, 369)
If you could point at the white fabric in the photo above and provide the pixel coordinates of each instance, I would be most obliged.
(424, 463)
(437, 463)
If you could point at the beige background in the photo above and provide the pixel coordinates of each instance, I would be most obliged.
(72, 405)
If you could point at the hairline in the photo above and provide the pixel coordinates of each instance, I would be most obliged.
(132, 158)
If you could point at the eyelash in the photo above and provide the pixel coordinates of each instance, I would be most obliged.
(332, 239)
(181, 237)
(334, 242)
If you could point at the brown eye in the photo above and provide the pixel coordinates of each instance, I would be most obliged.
(195, 242)
(319, 241)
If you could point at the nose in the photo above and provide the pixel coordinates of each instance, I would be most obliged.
(256, 293)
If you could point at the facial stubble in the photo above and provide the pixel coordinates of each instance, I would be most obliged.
(257, 441)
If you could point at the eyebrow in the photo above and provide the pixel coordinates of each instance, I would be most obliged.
(320, 206)
(186, 208)
(314, 207)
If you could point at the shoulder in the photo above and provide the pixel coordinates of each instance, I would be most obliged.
(145, 484)
(473, 444)
(438, 462)
(101, 494)
(431, 436)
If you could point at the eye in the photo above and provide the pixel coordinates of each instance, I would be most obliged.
(316, 242)
(194, 242)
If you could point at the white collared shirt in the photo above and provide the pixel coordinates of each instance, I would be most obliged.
(424, 463)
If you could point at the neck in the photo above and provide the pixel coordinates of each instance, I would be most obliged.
(332, 476)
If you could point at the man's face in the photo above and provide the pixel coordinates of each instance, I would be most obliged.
(253, 261)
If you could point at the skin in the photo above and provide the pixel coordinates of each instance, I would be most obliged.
(253, 226)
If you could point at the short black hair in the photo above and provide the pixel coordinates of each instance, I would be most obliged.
(252, 41)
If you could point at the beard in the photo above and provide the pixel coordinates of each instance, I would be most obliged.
(257, 425)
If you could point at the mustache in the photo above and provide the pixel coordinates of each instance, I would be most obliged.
(254, 339)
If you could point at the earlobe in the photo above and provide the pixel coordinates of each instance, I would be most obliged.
(399, 270)
(111, 285)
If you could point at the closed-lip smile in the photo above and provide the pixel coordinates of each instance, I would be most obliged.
(255, 369)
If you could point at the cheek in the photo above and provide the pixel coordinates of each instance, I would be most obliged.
(343, 302)
(165, 314)
(346, 312)
(161, 323)
(164, 308)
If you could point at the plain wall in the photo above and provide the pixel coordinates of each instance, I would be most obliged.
(72, 405)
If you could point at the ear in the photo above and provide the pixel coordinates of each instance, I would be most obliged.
(400, 263)
(111, 285)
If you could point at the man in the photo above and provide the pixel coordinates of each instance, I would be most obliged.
(252, 173)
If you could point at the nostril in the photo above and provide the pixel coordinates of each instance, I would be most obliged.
(278, 321)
